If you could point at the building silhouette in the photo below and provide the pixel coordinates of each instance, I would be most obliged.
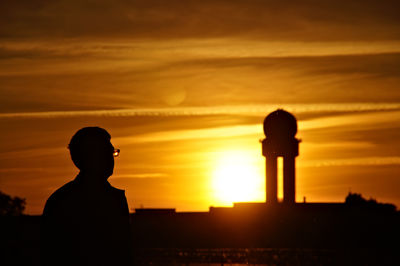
(280, 128)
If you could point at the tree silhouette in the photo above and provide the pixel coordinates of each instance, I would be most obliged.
(11, 205)
(355, 199)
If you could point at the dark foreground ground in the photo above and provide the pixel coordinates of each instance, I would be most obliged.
(236, 256)
(303, 235)
(267, 256)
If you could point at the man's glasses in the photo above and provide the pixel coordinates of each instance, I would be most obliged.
(116, 152)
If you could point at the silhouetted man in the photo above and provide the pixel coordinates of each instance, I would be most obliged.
(86, 221)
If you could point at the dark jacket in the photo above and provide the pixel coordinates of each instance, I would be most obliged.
(86, 226)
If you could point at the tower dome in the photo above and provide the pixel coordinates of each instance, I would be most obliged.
(280, 124)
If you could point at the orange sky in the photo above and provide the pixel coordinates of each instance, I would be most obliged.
(180, 86)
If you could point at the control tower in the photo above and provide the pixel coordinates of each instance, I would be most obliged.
(280, 128)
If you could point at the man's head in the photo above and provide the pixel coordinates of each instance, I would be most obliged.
(92, 152)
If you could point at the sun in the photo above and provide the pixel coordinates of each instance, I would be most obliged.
(237, 177)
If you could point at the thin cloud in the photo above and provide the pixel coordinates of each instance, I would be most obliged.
(191, 77)
(267, 19)
(204, 49)
(141, 176)
(359, 119)
(365, 161)
(260, 109)
(220, 132)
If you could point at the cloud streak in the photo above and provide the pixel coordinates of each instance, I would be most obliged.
(364, 161)
(140, 176)
(267, 19)
(192, 48)
(256, 109)
(196, 76)
(359, 119)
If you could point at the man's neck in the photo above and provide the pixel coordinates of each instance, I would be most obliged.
(92, 180)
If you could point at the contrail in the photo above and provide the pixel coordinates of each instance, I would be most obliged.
(255, 109)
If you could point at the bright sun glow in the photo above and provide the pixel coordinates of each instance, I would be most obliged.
(238, 177)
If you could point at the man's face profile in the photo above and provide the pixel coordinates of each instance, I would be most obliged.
(92, 152)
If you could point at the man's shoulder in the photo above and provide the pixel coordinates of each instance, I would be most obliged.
(60, 195)
(117, 192)
(64, 191)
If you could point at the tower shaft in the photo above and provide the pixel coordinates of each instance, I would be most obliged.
(271, 178)
(289, 179)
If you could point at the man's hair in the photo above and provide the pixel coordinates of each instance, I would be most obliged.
(84, 140)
